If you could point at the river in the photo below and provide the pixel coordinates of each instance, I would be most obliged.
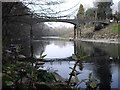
(103, 63)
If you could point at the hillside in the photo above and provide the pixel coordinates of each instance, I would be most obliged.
(109, 32)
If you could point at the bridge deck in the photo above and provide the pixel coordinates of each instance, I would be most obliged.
(72, 21)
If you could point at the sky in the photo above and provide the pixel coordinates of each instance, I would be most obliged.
(68, 4)
(87, 4)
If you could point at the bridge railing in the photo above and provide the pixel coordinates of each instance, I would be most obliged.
(93, 19)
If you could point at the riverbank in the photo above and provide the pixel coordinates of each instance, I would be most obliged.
(116, 41)
(109, 34)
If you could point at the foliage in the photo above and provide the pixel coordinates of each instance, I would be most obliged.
(42, 56)
(116, 16)
(91, 83)
(81, 10)
(90, 12)
(74, 71)
(104, 9)
(74, 57)
(25, 75)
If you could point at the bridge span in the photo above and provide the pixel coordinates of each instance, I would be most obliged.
(38, 20)
(75, 22)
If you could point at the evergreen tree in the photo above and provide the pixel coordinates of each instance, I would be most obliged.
(80, 13)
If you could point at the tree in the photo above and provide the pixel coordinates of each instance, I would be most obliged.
(116, 16)
(13, 10)
(104, 10)
(80, 13)
(18, 17)
(90, 13)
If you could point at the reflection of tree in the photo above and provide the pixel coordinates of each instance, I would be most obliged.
(38, 47)
(101, 66)
(83, 48)
(26, 48)
(103, 73)
(60, 43)
(111, 49)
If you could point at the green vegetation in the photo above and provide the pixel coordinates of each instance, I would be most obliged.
(80, 11)
(24, 75)
(91, 83)
(90, 12)
(103, 9)
(116, 28)
(27, 75)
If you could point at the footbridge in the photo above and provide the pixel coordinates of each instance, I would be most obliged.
(75, 22)
(39, 20)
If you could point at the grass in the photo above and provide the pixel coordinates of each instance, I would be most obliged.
(116, 28)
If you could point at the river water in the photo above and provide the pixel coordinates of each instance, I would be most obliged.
(103, 63)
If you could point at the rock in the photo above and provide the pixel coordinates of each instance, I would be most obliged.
(8, 51)
(40, 63)
(58, 77)
(110, 58)
(102, 36)
(116, 36)
(21, 56)
(73, 81)
(112, 39)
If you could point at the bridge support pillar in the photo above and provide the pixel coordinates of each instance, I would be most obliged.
(79, 33)
(75, 32)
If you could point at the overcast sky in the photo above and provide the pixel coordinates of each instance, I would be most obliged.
(71, 3)
(87, 4)
(74, 4)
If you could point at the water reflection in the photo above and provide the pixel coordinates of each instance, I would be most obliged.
(103, 63)
(97, 49)
(53, 48)
(100, 64)
(102, 70)
(106, 73)
(106, 56)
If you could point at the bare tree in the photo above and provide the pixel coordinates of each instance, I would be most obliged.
(27, 12)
